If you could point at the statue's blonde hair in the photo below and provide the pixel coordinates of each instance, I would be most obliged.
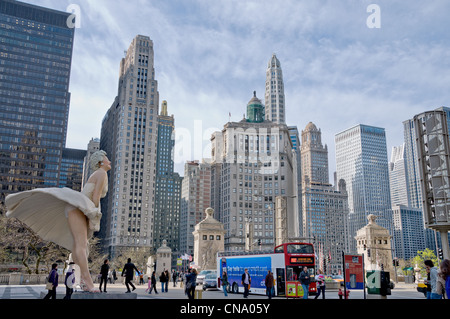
(96, 158)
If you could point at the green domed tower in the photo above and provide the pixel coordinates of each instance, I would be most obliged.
(255, 110)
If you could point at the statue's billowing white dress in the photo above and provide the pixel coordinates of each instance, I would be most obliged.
(45, 211)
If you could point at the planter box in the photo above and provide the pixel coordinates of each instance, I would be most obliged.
(332, 285)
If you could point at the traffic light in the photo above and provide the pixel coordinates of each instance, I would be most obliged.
(441, 254)
(259, 242)
(368, 252)
(385, 288)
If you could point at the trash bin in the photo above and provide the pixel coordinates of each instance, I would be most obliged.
(409, 280)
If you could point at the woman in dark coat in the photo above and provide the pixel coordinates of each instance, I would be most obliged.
(191, 282)
(53, 278)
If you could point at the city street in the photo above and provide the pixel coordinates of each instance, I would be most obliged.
(402, 291)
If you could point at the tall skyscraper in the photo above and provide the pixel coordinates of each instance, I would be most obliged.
(314, 156)
(274, 95)
(412, 165)
(195, 199)
(253, 163)
(129, 136)
(362, 162)
(324, 207)
(36, 47)
(168, 186)
(398, 177)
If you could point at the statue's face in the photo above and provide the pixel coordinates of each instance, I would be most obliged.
(106, 163)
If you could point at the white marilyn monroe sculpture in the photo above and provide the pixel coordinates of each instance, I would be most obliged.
(64, 216)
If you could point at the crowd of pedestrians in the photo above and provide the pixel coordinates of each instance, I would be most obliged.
(438, 280)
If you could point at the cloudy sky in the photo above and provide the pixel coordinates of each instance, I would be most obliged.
(211, 55)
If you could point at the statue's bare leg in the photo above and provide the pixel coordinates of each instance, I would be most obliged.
(78, 225)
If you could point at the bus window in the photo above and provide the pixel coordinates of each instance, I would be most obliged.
(299, 249)
(279, 249)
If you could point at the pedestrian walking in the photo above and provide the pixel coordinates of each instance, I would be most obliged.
(149, 285)
(152, 281)
(128, 272)
(52, 282)
(104, 275)
(428, 283)
(305, 280)
(445, 274)
(186, 280)
(225, 283)
(443, 279)
(181, 279)
(114, 276)
(246, 282)
(69, 281)
(174, 277)
(191, 283)
(141, 278)
(162, 280)
(433, 276)
(167, 277)
(269, 285)
(320, 279)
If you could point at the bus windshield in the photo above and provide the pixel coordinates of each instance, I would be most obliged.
(299, 249)
(293, 272)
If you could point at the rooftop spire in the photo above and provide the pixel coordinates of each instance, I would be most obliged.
(164, 108)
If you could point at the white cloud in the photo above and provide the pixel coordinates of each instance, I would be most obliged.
(211, 55)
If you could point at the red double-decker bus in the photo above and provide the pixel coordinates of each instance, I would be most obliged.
(296, 257)
(286, 262)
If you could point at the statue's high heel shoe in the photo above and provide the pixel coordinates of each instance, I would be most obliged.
(85, 288)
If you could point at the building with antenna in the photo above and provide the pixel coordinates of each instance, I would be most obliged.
(253, 163)
(274, 94)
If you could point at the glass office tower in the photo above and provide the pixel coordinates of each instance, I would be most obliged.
(168, 186)
(362, 162)
(35, 61)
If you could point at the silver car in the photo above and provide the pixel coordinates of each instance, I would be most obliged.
(201, 276)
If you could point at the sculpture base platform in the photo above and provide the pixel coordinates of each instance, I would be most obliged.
(94, 296)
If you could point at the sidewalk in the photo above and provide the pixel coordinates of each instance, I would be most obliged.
(117, 289)
(35, 292)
